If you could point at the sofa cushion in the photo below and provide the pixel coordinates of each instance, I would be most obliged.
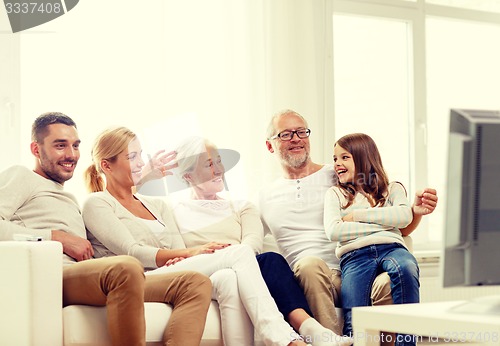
(86, 325)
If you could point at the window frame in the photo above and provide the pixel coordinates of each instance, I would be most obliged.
(414, 13)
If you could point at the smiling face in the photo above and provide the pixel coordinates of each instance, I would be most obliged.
(207, 175)
(125, 168)
(344, 164)
(57, 153)
(134, 157)
(295, 152)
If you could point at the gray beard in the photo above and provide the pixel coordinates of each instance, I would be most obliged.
(295, 161)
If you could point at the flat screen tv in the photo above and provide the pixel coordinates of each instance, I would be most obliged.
(471, 253)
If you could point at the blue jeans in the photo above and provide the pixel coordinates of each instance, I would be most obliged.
(282, 284)
(359, 269)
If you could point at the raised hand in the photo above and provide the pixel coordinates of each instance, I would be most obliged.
(159, 166)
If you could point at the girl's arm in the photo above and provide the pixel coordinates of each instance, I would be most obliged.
(397, 215)
(338, 230)
(252, 230)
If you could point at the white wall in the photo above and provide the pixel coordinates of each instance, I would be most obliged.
(9, 95)
(172, 68)
(168, 68)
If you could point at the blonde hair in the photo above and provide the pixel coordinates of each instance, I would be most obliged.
(107, 146)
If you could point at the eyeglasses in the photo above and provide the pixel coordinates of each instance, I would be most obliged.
(288, 135)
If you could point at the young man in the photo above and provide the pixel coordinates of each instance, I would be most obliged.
(292, 209)
(34, 202)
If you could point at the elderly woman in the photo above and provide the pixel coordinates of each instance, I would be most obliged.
(122, 222)
(205, 216)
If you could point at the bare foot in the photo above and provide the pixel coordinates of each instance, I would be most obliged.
(298, 343)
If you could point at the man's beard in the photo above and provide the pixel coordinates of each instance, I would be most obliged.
(295, 161)
(50, 169)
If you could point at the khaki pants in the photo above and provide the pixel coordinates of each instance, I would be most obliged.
(119, 284)
(322, 285)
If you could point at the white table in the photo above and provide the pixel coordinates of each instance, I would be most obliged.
(425, 319)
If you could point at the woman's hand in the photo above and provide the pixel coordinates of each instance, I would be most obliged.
(158, 166)
(173, 261)
(206, 248)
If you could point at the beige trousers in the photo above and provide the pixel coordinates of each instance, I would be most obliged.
(119, 284)
(322, 285)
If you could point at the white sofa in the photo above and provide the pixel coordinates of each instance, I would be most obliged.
(31, 312)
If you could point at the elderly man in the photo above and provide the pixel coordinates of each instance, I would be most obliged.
(292, 209)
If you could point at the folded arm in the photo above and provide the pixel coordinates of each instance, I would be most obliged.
(338, 229)
(396, 213)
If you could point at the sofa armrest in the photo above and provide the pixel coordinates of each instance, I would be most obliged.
(408, 242)
(31, 293)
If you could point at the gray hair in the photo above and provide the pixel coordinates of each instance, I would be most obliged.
(188, 154)
(271, 129)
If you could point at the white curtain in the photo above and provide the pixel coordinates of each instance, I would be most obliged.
(165, 69)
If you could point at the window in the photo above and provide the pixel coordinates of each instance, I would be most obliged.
(481, 5)
(462, 72)
(372, 86)
(402, 65)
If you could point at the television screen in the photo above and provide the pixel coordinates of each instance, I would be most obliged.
(471, 253)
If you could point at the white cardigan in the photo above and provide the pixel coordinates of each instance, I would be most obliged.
(113, 230)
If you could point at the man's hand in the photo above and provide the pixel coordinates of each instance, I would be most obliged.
(78, 248)
(425, 202)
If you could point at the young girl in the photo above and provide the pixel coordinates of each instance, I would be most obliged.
(364, 213)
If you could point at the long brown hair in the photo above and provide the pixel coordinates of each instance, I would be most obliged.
(370, 176)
